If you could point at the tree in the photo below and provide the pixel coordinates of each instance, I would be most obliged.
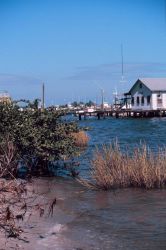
(75, 104)
(89, 104)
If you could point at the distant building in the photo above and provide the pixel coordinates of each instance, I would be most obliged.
(148, 94)
(5, 97)
(106, 105)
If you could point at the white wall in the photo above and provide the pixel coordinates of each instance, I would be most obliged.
(153, 103)
(164, 100)
(140, 106)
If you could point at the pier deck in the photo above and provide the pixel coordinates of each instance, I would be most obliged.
(121, 113)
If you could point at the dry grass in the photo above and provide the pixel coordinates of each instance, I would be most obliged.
(113, 169)
(81, 139)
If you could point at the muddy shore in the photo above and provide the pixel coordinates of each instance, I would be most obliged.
(93, 220)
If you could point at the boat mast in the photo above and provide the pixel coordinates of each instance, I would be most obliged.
(102, 99)
(122, 76)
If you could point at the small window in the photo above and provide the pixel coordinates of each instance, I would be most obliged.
(137, 100)
(140, 85)
(132, 101)
(159, 99)
(142, 100)
(148, 99)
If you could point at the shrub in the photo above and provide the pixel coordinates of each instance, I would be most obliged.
(8, 162)
(39, 137)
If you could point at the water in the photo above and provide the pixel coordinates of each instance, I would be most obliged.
(126, 219)
(129, 132)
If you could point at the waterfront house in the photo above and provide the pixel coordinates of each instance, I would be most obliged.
(148, 94)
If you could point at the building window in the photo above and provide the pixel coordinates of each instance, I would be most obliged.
(140, 85)
(132, 101)
(138, 100)
(148, 100)
(159, 100)
(142, 100)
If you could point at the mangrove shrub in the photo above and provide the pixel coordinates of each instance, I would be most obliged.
(39, 137)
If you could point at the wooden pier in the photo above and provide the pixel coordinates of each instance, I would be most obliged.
(102, 114)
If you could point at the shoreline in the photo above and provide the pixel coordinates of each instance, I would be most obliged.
(86, 219)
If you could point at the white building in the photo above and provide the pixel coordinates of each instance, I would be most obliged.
(148, 94)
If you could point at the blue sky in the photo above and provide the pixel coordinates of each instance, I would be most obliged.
(74, 46)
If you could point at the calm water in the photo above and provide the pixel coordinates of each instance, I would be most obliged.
(128, 131)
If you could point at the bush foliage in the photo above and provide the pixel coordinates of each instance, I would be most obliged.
(39, 137)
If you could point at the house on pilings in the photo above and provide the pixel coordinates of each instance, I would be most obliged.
(148, 94)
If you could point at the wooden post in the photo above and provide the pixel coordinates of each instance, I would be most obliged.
(117, 115)
(98, 116)
(43, 96)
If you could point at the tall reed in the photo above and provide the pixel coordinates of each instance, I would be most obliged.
(111, 168)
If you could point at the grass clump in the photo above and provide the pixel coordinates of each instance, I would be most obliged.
(81, 139)
(111, 168)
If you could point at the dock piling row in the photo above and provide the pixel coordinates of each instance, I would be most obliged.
(121, 114)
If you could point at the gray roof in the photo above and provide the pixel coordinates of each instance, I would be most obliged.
(154, 84)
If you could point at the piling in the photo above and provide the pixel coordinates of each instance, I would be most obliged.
(117, 115)
(98, 116)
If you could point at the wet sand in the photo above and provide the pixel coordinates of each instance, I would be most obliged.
(94, 220)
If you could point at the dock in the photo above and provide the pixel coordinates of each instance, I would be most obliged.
(102, 114)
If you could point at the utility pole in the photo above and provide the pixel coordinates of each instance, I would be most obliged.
(43, 96)
(102, 99)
